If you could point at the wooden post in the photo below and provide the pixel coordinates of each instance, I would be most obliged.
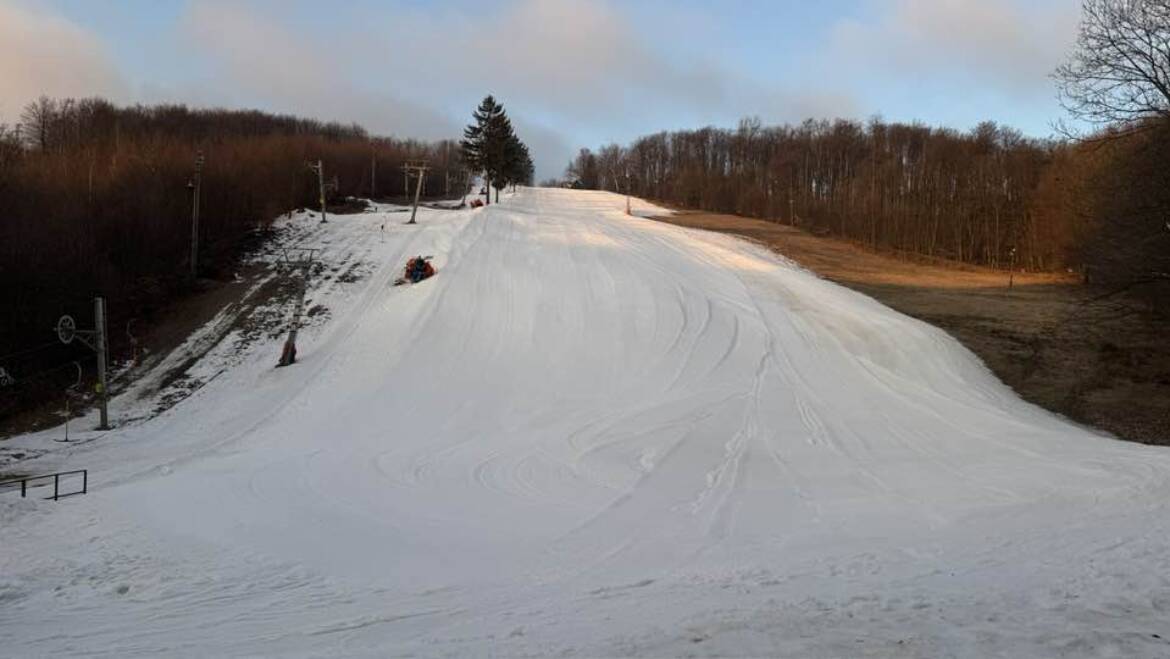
(417, 191)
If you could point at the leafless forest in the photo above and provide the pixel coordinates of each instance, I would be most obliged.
(928, 191)
(974, 197)
(95, 199)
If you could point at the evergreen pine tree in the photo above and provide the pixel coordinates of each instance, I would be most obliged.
(490, 146)
(518, 162)
(485, 142)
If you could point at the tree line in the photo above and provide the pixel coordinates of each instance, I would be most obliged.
(928, 191)
(95, 199)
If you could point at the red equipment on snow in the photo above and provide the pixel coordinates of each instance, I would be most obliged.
(417, 269)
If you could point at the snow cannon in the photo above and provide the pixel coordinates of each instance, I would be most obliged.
(417, 269)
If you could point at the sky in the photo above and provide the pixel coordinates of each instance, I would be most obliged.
(571, 73)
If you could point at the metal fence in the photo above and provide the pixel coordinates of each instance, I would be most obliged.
(64, 484)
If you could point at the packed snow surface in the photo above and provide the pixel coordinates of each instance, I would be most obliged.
(592, 434)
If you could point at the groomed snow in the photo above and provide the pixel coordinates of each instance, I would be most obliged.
(592, 434)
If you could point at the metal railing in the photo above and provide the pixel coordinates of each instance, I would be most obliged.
(43, 481)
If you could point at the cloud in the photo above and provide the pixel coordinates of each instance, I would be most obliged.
(549, 148)
(571, 72)
(42, 53)
(569, 56)
(582, 65)
(391, 74)
(1010, 46)
(256, 60)
(576, 65)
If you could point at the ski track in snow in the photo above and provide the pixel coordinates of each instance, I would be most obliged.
(591, 434)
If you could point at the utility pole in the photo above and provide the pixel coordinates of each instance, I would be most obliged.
(320, 169)
(373, 173)
(95, 340)
(194, 184)
(628, 186)
(321, 188)
(99, 318)
(417, 168)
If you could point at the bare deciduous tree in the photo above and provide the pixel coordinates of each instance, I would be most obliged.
(37, 120)
(1120, 70)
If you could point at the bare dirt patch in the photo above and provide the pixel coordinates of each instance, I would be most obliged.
(1099, 360)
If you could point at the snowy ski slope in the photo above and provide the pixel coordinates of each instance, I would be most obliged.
(592, 434)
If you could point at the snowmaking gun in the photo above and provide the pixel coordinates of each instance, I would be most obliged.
(417, 269)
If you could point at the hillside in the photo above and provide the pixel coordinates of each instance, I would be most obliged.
(588, 434)
(1083, 351)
